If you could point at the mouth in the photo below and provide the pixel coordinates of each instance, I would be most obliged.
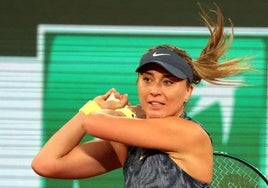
(156, 104)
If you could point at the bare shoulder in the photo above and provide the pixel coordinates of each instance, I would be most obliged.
(195, 156)
(196, 136)
(192, 131)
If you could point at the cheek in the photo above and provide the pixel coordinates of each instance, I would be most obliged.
(141, 93)
(177, 100)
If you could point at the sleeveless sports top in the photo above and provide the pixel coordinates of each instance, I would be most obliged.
(147, 168)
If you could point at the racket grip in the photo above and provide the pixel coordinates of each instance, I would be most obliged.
(112, 98)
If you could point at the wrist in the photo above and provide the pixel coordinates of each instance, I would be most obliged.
(127, 112)
(90, 106)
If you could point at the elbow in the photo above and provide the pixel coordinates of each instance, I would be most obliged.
(36, 167)
(44, 168)
(39, 167)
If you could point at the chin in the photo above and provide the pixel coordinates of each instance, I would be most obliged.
(155, 115)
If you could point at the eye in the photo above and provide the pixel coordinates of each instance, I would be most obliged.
(146, 79)
(168, 82)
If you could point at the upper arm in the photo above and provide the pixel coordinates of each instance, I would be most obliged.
(166, 134)
(85, 160)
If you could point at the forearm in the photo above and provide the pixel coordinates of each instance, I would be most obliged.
(64, 140)
(69, 136)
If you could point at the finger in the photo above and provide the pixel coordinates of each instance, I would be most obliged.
(117, 95)
(120, 103)
(124, 99)
(108, 93)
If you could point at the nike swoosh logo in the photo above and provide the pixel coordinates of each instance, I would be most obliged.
(156, 54)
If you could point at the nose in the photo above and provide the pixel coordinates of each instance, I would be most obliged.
(155, 89)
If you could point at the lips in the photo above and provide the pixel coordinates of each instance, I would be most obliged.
(156, 104)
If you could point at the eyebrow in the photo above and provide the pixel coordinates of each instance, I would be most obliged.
(165, 75)
(146, 72)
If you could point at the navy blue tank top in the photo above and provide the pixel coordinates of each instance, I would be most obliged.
(147, 168)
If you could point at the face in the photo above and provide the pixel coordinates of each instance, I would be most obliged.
(162, 94)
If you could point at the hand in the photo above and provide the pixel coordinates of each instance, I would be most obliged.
(121, 101)
(138, 111)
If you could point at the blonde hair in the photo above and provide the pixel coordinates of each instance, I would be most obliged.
(207, 66)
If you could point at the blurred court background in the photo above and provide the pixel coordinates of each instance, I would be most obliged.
(55, 55)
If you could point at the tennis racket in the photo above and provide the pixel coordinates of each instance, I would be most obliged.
(232, 172)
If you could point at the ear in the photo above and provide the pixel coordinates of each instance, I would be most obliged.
(189, 91)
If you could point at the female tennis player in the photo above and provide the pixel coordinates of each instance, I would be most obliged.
(165, 148)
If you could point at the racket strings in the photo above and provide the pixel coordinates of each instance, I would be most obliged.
(231, 173)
